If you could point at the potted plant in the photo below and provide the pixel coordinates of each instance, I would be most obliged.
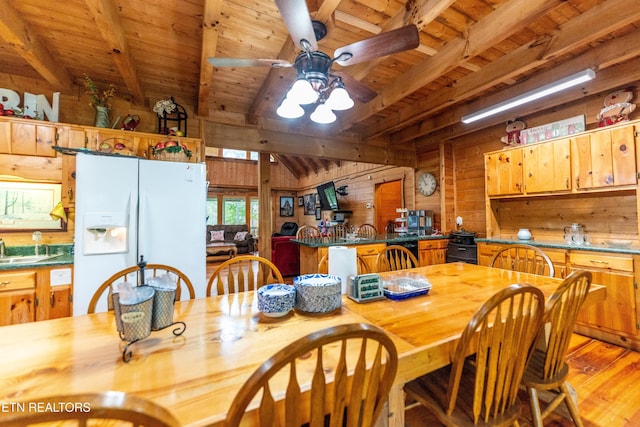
(100, 101)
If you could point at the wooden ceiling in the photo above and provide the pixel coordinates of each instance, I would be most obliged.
(472, 53)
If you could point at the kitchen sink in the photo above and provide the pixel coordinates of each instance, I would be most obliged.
(26, 259)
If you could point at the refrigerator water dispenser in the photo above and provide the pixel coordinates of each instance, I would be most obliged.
(104, 233)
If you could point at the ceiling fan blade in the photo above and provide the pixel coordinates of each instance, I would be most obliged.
(384, 44)
(239, 62)
(296, 17)
(356, 88)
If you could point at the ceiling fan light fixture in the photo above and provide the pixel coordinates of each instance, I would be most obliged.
(323, 115)
(302, 92)
(289, 109)
(339, 99)
(541, 92)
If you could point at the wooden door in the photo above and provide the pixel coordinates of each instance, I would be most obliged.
(388, 197)
(60, 302)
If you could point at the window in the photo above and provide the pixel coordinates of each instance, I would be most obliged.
(212, 211)
(254, 216)
(241, 154)
(234, 210)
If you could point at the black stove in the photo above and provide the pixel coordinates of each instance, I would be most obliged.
(462, 247)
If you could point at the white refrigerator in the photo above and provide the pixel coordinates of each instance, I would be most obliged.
(127, 207)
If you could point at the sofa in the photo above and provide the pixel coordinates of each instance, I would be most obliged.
(229, 234)
(285, 254)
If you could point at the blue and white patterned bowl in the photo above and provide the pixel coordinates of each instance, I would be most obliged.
(276, 300)
(318, 293)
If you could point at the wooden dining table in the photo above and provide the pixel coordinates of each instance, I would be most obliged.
(197, 374)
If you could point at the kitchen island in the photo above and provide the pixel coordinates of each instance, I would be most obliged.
(432, 249)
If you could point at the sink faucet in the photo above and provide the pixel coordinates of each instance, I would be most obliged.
(37, 236)
(1, 248)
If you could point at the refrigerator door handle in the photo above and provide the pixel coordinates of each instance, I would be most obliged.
(142, 213)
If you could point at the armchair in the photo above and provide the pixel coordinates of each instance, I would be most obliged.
(285, 254)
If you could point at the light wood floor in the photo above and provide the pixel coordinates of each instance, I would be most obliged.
(606, 378)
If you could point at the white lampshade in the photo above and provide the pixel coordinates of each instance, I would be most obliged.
(323, 115)
(302, 92)
(289, 109)
(339, 99)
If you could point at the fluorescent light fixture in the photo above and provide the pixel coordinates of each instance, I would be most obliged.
(541, 92)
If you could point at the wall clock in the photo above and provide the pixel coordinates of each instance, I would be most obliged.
(427, 184)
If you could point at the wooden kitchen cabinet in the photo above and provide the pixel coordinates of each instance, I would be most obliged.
(28, 137)
(504, 172)
(370, 254)
(605, 158)
(26, 295)
(432, 251)
(17, 297)
(547, 167)
(614, 319)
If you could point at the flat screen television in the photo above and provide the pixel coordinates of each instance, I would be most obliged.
(328, 197)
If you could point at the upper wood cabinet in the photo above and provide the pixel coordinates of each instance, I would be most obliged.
(28, 137)
(600, 159)
(547, 167)
(605, 158)
(504, 172)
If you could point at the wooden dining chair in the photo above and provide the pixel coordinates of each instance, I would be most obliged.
(362, 266)
(338, 230)
(395, 257)
(340, 376)
(307, 232)
(548, 370)
(523, 258)
(132, 275)
(90, 409)
(482, 389)
(243, 273)
(367, 230)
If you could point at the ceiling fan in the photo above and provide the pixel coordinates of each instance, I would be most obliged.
(315, 80)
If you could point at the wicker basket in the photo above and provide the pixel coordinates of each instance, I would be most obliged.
(171, 157)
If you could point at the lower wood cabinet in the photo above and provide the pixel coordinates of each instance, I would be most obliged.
(615, 318)
(27, 295)
(432, 251)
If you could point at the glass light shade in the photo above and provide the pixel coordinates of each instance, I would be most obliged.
(339, 99)
(289, 109)
(302, 93)
(323, 115)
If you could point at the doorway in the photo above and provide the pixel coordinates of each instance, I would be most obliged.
(388, 197)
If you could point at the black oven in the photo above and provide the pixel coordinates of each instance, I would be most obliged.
(462, 247)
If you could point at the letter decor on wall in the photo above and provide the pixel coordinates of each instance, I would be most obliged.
(34, 106)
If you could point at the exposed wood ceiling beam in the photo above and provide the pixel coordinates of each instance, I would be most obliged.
(272, 85)
(495, 27)
(309, 164)
(32, 49)
(105, 13)
(209, 45)
(420, 13)
(287, 164)
(449, 125)
(599, 22)
(260, 140)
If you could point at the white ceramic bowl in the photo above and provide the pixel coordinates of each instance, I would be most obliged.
(276, 300)
(318, 293)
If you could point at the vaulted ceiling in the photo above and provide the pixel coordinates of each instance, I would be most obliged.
(471, 53)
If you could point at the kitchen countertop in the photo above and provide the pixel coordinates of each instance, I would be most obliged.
(65, 257)
(593, 247)
(320, 242)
